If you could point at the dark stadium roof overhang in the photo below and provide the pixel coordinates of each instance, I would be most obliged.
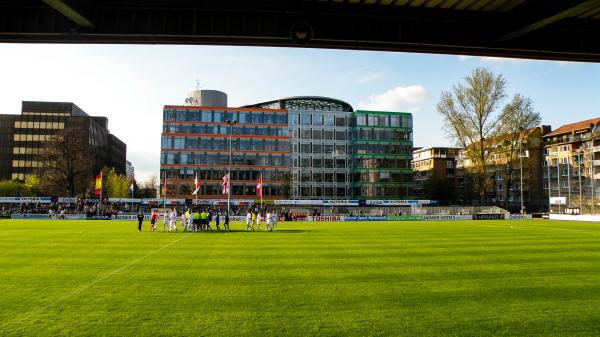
(548, 29)
(305, 103)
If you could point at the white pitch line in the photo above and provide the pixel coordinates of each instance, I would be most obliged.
(536, 227)
(86, 286)
(564, 229)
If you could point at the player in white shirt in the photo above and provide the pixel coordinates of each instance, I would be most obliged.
(269, 229)
(190, 220)
(165, 219)
(249, 221)
(274, 220)
(259, 219)
(173, 220)
(183, 221)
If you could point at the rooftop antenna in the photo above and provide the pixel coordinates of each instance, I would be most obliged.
(197, 84)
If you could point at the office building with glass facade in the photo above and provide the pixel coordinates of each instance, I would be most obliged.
(381, 155)
(23, 138)
(320, 130)
(196, 143)
(306, 148)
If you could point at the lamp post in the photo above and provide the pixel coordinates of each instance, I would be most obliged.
(230, 122)
(521, 186)
(579, 176)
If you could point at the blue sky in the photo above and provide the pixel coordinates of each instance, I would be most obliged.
(130, 84)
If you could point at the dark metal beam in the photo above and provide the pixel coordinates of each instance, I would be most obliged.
(570, 11)
(316, 24)
(70, 9)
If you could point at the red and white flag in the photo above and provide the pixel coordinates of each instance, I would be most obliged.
(225, 185)
(196, 185)
(259, 186)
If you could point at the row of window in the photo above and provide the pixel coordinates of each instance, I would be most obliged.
(218, 173)
(382, 176)
(327, 163)
(36, 113)
(381, 191)
(319, 134)
(225, 129)
(320, 192)
(214, 189)
(39, 125)
(383, 120)
(320, 177)
(317, 148)
(565, 184)
(183, 158)
(320, 120)
(256, 117)
(382, 134)
(31, 138)
(237, 144)
(28, 150)
(376, 148)
(326, 134)
(26, 163)
(382, 163)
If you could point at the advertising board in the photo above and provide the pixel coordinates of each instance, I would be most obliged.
(365, 218)
(489, 217)
(518, 216)
(129, 217)
(30, 216)
(327, 218)
(444, 217)
(18, 200)
(403, 217)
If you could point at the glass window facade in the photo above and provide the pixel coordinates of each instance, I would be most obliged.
(197, 141)
(305, 148)
(381, 155)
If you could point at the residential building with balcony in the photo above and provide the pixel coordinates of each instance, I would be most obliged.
(433, 172)
(571, 177)
(508, 164)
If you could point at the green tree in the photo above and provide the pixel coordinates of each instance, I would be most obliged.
(471, 115)
(115, 185)
(11, 188)
(32, 186)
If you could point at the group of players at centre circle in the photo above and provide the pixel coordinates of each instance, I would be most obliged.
(196, 220)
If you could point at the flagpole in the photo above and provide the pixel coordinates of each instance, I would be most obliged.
(230, 122)
(165, 191)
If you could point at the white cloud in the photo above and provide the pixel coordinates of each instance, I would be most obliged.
(397, 99)
(369, 77)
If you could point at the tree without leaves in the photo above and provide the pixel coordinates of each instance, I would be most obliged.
(66, 164)
(517, 118)
(470, 116)
(147, 188)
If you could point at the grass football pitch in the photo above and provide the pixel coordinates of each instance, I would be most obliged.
(455, 278)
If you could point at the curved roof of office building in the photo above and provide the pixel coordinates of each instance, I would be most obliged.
(305, 103)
